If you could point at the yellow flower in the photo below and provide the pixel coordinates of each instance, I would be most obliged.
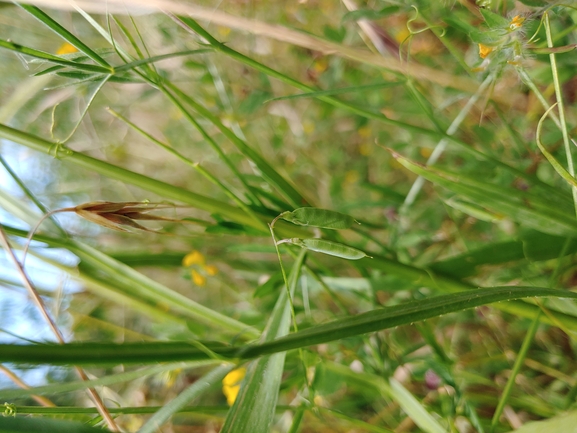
(484, 50)
(197, 279)
(193, 258)
(66, 48)
(231, 384)
(211, 270)
(516, 22)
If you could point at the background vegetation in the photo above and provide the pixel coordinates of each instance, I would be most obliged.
(433, 124)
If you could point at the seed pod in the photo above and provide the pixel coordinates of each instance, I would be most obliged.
(315, 217)
(328, 247)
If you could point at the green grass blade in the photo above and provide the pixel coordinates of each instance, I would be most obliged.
(254, 407)
(112, 379)
(163, 189)
(372, 321)
(393, 390)
(338, 91)
(403, 314)
(524, 208)
(519, 361)
(145, 61)
(412, 407)
(267, 170)
(561, 106)
(45, 425)
(193, 391)
(136, 285)
(12, 46)
(66, 35)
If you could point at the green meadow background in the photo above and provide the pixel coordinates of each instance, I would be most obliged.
(162, 139)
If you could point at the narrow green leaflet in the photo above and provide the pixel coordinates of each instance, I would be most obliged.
(327, 247)
(316, 217)
(254, 407)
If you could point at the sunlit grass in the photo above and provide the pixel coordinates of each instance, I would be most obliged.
(414, 172)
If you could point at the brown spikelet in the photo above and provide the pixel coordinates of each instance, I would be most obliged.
(118, 216)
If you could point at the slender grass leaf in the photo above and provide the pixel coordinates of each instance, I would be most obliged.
(45, 425)
(393, 390)
(372, 321)
(193, 391)
(284, 187)
(51, 57)
(163, 189)
(254, 407)
(112, 379)
(66, 35)
(137, 285)
(526, 209)
(402, 314)
(339, 91)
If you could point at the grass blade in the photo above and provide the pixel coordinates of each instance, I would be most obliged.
(66, 35)
(372, 321)
(45, 425)
(522, 207)
(12, 46)
(192, 392)
(254, 407)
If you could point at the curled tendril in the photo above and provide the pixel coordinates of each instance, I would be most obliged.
(9, 409)
(416, 32)
(413, 32)
(59, 150)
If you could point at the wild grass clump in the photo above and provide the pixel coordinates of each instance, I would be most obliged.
(320, 217)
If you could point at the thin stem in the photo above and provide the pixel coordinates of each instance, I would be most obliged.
(284, 277)
(40, 304)
(194, 165)
(559, 96)
(516, 368)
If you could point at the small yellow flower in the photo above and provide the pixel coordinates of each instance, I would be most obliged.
(66, 48)
(516, 22)
(320, 65)
(231, 384)
(193, 258)
(211, 270)
(197, 279)
(484, 50)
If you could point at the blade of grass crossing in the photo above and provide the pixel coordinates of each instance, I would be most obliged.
(392, 389)
(12, 46)
(66, 35)
(519, 361)
(530, 210)
(372, 321)
(112, 379)
(163, 189)
(267, 170)
(254, 408)
(45, 425)
(195, 390)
